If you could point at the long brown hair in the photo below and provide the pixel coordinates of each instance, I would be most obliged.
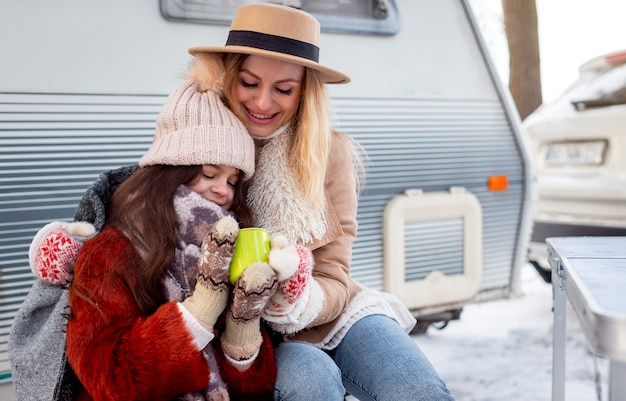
(142, 208)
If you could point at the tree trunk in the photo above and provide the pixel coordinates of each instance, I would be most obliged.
(520, 25)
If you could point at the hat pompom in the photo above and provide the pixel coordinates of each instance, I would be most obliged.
(207, 70)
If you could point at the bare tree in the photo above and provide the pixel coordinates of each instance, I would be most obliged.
(520, 25)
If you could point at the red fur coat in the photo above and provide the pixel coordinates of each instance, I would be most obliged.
(120, 354)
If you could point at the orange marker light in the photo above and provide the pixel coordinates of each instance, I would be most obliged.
(498, 183)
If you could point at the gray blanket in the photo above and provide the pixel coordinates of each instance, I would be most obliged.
(36, 344)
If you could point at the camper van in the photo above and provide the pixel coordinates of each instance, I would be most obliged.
(444, 211)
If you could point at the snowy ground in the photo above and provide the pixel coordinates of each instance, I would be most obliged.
(502, 350)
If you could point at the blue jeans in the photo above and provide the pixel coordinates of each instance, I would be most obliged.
(376, 360)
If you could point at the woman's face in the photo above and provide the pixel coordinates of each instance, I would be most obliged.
(269, 92)
(217, 184)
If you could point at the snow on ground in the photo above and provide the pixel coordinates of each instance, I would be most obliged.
(502, 350)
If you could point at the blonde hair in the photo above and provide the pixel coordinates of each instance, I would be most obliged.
(312, 123)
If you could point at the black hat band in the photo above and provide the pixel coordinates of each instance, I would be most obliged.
(274, 43)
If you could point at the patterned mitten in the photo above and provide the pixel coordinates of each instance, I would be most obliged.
(242, 336)
(292, 287)
(284, 259)
(210, 295)
(54, 248)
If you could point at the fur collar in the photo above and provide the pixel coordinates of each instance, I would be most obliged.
(275, 198)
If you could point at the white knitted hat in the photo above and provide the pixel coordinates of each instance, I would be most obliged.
(195, 128)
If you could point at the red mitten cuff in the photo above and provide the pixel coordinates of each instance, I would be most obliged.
(54, 248)
(290, 290)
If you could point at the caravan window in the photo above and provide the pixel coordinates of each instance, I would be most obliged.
(343, 16)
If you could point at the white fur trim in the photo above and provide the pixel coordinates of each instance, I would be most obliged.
(80, 229)
(305, 311)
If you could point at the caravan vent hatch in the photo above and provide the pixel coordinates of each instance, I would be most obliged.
(458, 215)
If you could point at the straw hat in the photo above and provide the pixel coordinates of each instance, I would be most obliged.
(277, 32)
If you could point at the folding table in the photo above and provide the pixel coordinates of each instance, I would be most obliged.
(590, 273)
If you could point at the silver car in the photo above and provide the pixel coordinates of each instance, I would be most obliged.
(579, 142)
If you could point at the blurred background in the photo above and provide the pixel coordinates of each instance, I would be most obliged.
(570, 32)
(565, 65)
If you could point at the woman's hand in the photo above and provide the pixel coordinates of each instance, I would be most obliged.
(294, 266)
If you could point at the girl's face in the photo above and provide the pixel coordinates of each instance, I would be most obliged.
(269, 92)
(217, 184)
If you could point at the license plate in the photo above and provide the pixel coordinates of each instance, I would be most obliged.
(574, 153)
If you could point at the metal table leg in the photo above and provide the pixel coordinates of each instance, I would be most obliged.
(617, 384)
(559, 337)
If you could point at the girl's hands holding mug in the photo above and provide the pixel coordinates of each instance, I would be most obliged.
(210, 295)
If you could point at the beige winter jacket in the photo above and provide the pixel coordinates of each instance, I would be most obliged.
(333, 252)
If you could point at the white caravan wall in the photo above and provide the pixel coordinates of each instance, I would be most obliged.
(127, 47)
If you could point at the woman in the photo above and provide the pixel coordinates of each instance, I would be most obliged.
(305, 188)
(338, 336)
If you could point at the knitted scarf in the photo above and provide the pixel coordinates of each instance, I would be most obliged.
(195, 215)
(276, 201)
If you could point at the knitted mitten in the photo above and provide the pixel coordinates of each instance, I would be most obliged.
(242, 336)
(284, 259)
(54, 248)
(290, 288)
(210, 295)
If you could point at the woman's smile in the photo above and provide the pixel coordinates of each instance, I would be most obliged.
(269, 91)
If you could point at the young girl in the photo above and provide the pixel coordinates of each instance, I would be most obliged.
(149, 289)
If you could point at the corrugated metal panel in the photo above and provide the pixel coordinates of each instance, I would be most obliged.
(52, 147)
(433, 145)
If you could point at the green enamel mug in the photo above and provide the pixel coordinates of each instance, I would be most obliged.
(252, 246)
